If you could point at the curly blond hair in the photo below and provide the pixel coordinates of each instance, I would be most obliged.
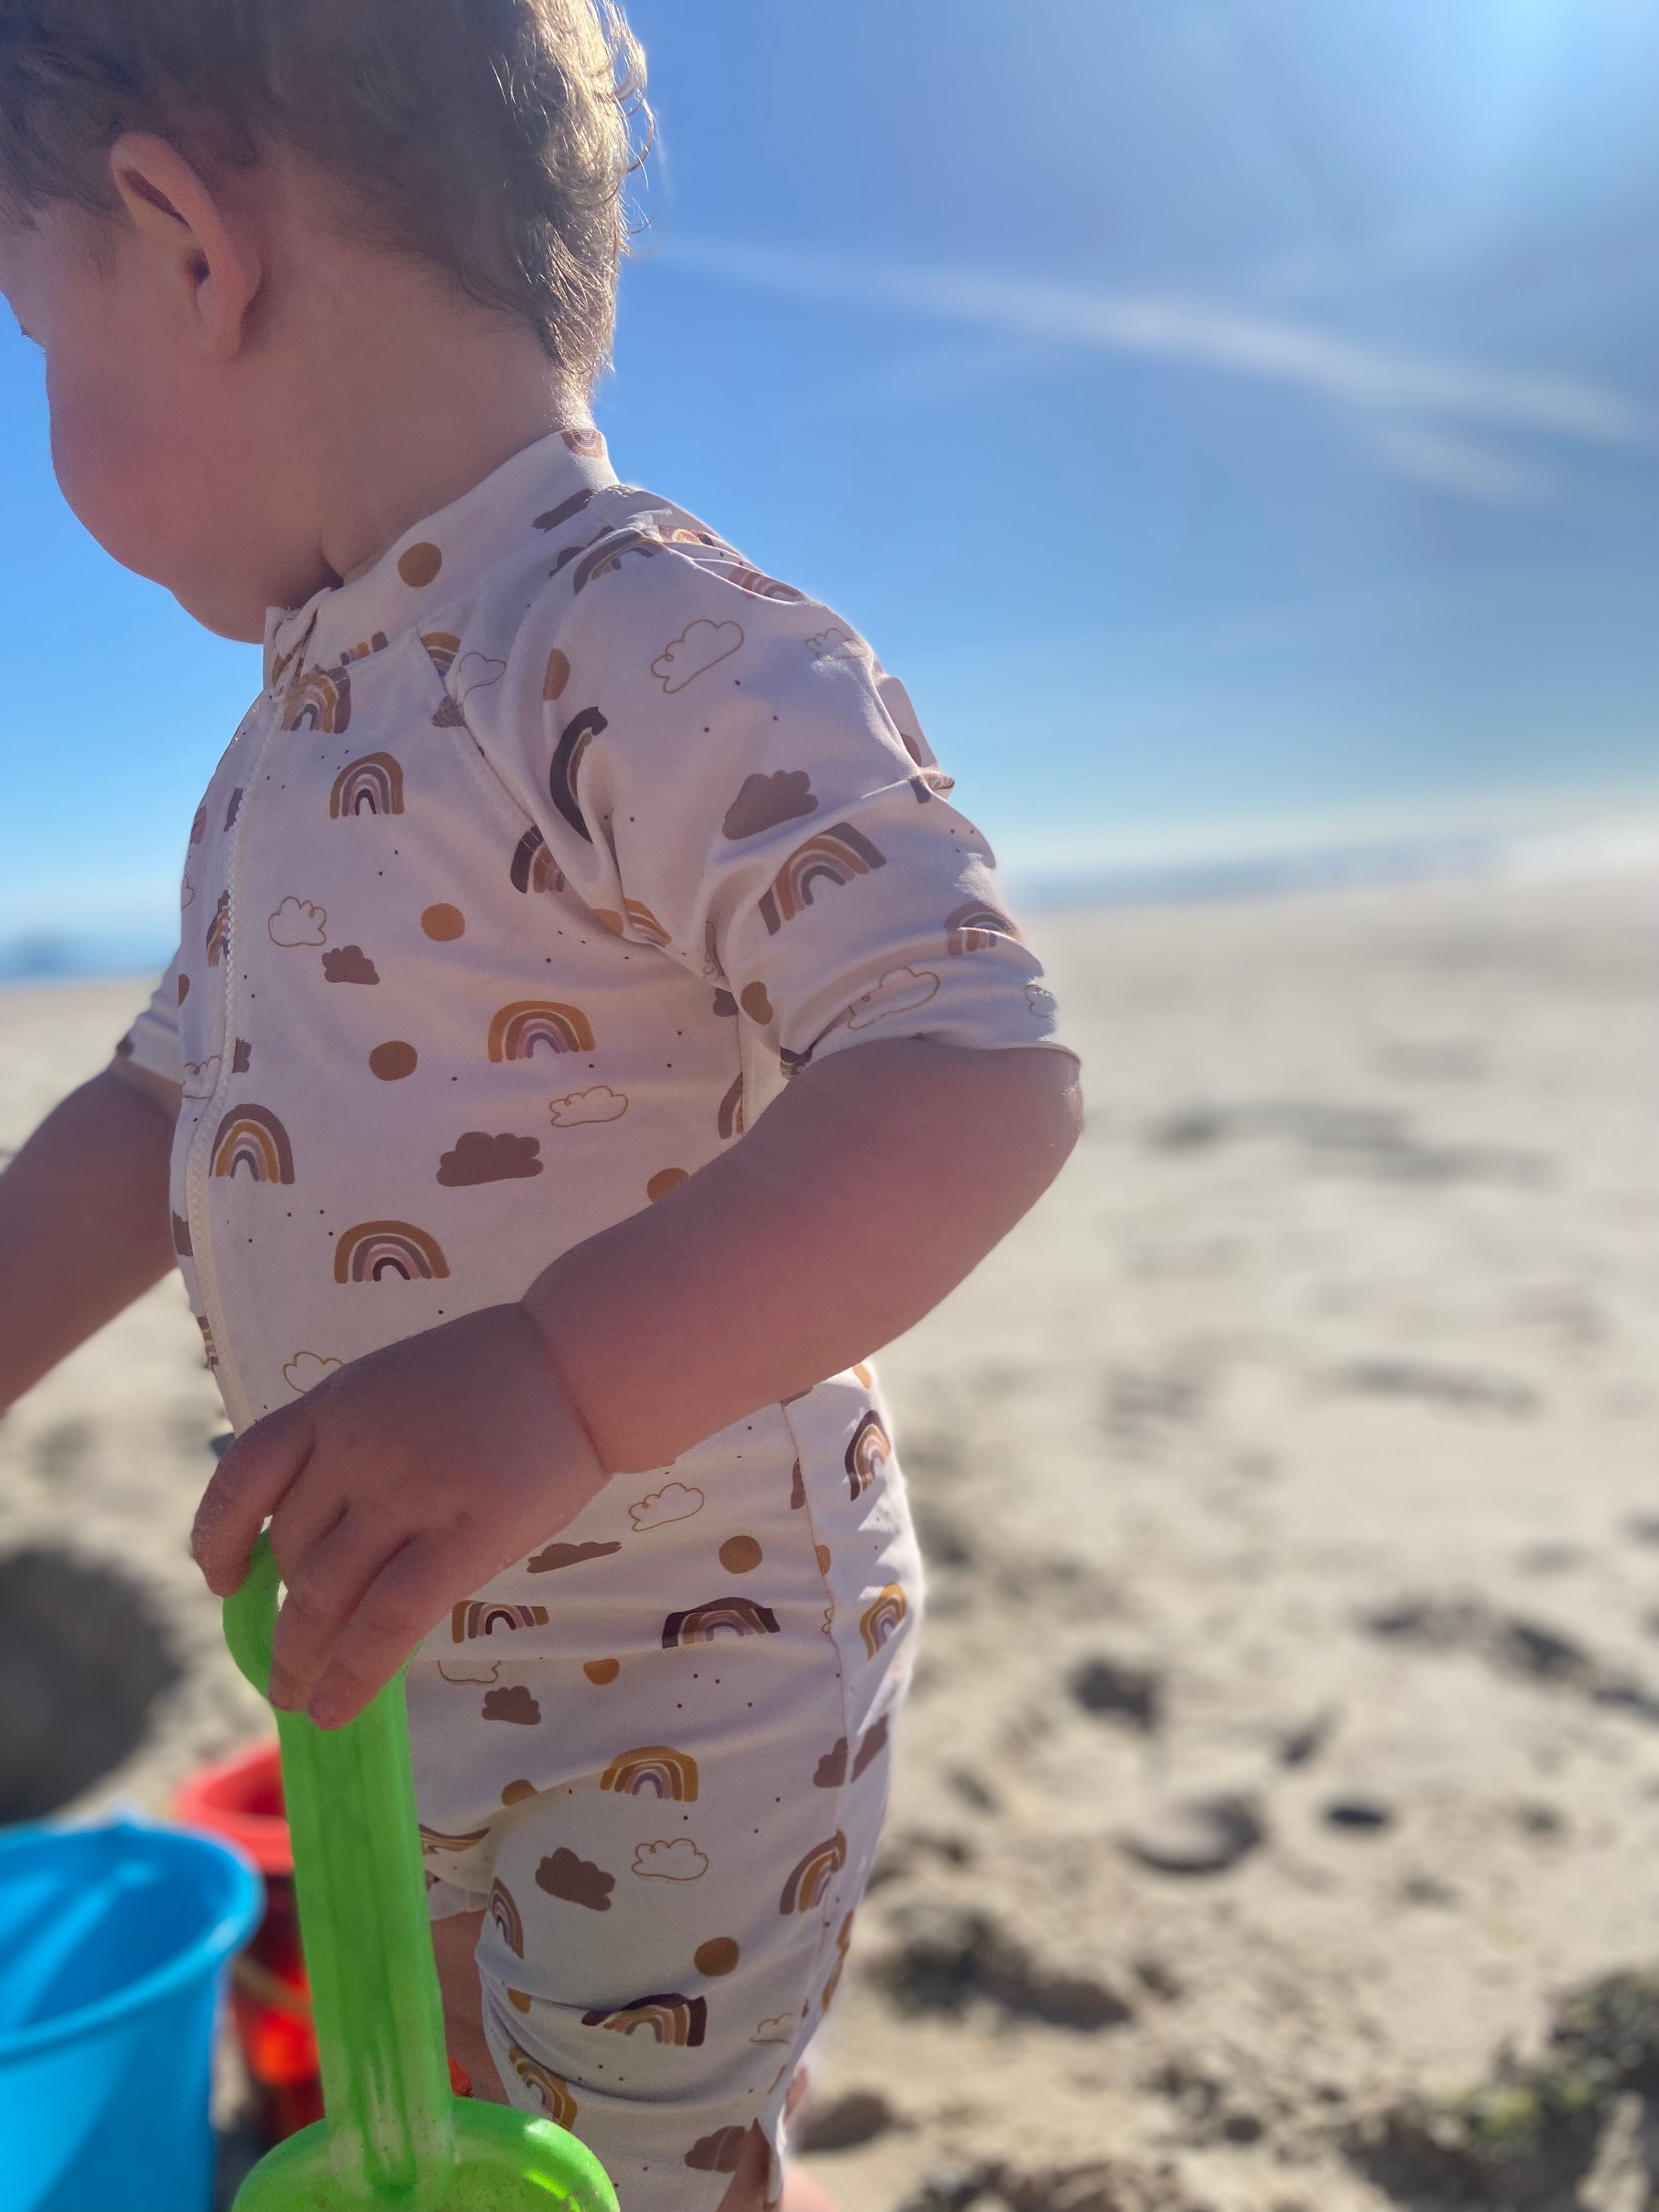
(492, 138)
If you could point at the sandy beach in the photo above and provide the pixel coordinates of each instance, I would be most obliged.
(1275, 1826)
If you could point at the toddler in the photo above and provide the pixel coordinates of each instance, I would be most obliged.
(594, 1029)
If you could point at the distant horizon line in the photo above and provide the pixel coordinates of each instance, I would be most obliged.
(1174, 875)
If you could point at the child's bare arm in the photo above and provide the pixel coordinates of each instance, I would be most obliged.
(83, 1219)
(869, 1190)
(408, 1478)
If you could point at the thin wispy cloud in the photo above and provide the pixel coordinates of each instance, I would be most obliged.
(1372, 380)
(1458, 464)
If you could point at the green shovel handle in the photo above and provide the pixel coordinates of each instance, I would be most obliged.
(349, 1797)
(251, 1616)
(394, 2138)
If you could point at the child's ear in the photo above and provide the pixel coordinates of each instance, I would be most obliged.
(204, 256)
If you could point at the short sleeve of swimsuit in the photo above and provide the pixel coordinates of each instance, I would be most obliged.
(721, 769)
(152, 1043)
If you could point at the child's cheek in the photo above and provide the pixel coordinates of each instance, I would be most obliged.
(99, 454)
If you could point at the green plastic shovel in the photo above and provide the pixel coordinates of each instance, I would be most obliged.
(394, 2135)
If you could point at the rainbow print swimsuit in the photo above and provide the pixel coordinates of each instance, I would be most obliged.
(554, 845)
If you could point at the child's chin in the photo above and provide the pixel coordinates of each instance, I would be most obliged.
(220, 607)
(222, 611)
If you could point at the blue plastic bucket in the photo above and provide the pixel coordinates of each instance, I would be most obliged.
(112, 1943)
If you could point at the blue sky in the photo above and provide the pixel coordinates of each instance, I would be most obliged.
(1232, 418)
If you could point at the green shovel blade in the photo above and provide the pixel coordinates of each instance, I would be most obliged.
(394, 2138)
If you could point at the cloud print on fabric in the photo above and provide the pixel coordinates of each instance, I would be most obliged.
(298, 921)
(473, 672)
(835, 644)
(480, 1157)
(598, 1103)
(675, 1501)
(306, 1369)
(348, 964)
(699, 645)
(579, 1881)
(512, 1702)
(900, 991)
(676, 1859)
(719, 2153)
(765, 801)
(568, 1555)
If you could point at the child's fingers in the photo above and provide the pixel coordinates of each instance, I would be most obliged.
(325, 1585)
(399, 1606)
(310, 1509)
(250, 1479)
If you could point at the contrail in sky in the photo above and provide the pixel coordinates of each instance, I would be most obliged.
(1174, 329)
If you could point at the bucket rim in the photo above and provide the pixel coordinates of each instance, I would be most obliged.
(265, 1837)
(203, 1957)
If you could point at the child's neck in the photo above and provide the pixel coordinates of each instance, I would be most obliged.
(422, 396)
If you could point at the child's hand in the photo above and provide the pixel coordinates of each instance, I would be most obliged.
(395, 1488)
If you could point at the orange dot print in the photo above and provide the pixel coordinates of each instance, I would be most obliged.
(558, 674)
(755, 1003)
(443, 923)
(740, 1555)
(516, 1792)
(392, 1061)
(717, 1956)
(419, 564)
(601, 1671)
(518, 2000)
(664, 1180)
(184, 986)
(823, 1554)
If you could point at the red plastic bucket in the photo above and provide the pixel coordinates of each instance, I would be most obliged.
(240, 1798)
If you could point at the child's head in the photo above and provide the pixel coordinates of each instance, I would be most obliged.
(226, 222)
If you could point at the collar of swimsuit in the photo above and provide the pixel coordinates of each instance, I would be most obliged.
(434, 562)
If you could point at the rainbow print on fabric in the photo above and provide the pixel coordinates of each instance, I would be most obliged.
(729, 1121)
(762, 587)
(376, 1248)
(566, 507)
(836, 855)
(481, 1616)
(320, 701)
(809, 1880)
(252, 1136)
(533, 867)
(577, 733)
(550, 2091)
(218, 931)
(880, 1619)
(517, 1030)
(867, 1454)
(976, 926)
(434, 1839)
(670, 1776)
(441, 646)
(641, 919)
(671, 2018)
(209, 1351)
(606, 558)
(843, 1937)
(371, 784)
(504, 1911)
(718, 1616)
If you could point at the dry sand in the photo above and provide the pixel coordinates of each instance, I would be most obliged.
(1288, 1485)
